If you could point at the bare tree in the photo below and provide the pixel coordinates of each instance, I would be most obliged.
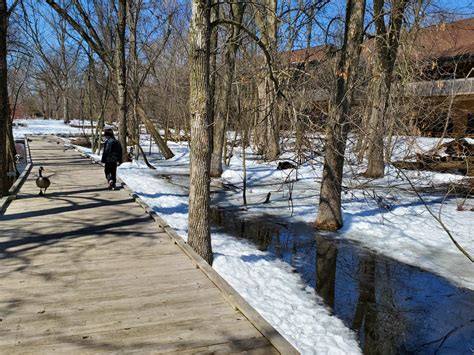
(329, 214)
(7, 145)
(137, 79)
(386, 45)
(268, 138)
(199, 237)
(4, 104)
(121, 69)
(56, 56)
(114, 59)
(220, 120)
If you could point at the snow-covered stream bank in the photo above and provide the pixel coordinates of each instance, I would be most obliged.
(267, 283)
(395, 308)
(288, 300)
(404, 232)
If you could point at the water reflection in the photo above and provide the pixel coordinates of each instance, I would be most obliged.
(395, 308)
(21, 156)
(326, 258)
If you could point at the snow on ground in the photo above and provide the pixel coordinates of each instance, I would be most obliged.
(385, 216)
(43, 127)
(267, 283)
(382, 214)
(80, 123)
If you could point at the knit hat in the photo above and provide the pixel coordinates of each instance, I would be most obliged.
(108, 132)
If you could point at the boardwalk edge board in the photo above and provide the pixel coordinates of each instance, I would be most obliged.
(228, 292)
(5, 201)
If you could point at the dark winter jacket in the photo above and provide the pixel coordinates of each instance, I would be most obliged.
(112, 151)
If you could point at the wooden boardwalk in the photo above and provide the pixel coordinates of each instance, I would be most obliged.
(85, 270)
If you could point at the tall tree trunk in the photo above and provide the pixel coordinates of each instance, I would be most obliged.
(386, 44)
(150, 126)
(272, 148)
(199, 106)
(273, 126)
(376, 131)
(329, 214)
(64, 75)
(214, 41)
(268, 119)
(65, 100)
(4, 105)
(220, 121)
(134, 14)
(139, 113)
(57, 103)
(121, 69)
(309, 24)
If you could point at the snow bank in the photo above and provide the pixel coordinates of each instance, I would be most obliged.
(383, 215)
(267, 283)
(43, 127)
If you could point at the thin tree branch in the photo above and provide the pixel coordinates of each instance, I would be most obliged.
(438, 219)
(259, 42)
(96, 45)
(12, 8)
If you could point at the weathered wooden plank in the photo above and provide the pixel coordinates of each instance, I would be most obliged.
(276, 339)
(50, 322)
(157, 337)
(84, 270)
(254, 346)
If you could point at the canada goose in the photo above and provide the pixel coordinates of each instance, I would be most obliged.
(42, 182)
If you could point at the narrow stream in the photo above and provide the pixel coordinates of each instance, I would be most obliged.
(394, 308)
(21, 151)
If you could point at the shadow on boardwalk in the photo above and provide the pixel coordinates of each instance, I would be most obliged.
(85, 270)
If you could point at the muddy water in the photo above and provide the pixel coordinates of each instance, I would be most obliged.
(393, 307)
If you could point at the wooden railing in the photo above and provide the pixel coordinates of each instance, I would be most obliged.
(433, 88)
(11, 195)
(453, 87)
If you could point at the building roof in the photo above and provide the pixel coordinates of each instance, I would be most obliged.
(307, 55)
(445, 40)
(441, 41)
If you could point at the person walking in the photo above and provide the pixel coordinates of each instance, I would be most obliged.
(111, 157)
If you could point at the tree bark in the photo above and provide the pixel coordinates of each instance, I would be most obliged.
(65, 100)
(199, 237)
(150, 126)
(121, 68)
(64, 73)
(214, 42)
(386, 44)
(375, 145)
(134, 14)
(4, 105)
(268, 25)
(136, 82)
(220, 121)
(329, 214)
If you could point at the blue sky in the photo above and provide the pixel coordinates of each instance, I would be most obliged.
(439, 10)
(465, 7)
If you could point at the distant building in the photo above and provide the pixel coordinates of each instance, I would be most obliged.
(448, 73)
(442, 54)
